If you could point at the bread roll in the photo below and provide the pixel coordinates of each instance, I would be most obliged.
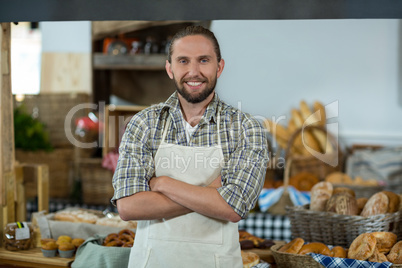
(378, 256)
(362, 247)
(320, 193)
(361, 202)
(385, 241)
(377, 204)
(394, 201)
(395, 255)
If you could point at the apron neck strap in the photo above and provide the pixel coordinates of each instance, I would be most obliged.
(169, 121)
(167, 126)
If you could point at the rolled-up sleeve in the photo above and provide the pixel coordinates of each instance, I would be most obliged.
(244, 172)
(135, 165)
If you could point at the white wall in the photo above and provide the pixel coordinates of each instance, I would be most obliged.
(66, 57)
(271, 65)
(66, 36)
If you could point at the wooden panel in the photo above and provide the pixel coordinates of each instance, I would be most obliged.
(66, 72)
(6, 112)
(10, 194)
(43, 188)
(6, 131)
(21, 211)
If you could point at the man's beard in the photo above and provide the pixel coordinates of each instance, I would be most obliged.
(195, 98)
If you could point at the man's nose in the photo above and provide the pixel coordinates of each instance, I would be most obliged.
(194, 69)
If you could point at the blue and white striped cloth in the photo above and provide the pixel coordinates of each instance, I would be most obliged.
(379, 164)
(331, 262)
(269, 197)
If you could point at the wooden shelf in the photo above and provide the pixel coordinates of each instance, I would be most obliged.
(116, 119)
(32, 258)
(129, 62)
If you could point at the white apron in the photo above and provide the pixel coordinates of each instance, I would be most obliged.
(191, 240)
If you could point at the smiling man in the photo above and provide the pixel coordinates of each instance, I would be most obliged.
(190, 168)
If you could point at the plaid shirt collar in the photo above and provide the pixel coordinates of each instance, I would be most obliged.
(172, 105)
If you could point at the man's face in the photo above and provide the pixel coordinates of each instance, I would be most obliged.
(194, 68)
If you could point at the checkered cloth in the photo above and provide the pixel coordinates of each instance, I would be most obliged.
(330, 262)
(267, 226)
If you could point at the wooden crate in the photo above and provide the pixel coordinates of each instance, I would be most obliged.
(59, 161)
(96, 182)
(115, 121)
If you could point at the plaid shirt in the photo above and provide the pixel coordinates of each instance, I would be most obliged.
(243, 142)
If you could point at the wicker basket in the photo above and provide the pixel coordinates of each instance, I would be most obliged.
(335, 229)
(287, 260)
(322, 166)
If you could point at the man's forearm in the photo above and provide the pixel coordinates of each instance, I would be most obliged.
(149, 206)
(203, 200)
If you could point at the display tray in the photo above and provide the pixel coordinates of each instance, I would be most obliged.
(32, 258)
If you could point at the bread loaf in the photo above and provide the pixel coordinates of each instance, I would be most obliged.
(342, 203)
(320, 193)
(377, 204)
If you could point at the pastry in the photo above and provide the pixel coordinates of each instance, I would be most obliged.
(395, 255)
(250, 259)
(293, 246)
(362, 247)
(303, 181)
(385, 241)
(378, 256)
(315, 247)
(338, 252)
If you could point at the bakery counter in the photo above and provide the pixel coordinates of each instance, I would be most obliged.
(31, 258)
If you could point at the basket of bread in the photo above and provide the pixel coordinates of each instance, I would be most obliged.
(307, 141)
(375, 249)
(336, 217)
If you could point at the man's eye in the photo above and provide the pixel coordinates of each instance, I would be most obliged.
(182, 61)
(204, 60)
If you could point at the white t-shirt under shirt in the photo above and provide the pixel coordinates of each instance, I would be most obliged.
(189, 129)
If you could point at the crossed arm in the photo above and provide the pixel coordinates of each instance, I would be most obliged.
(170, 198)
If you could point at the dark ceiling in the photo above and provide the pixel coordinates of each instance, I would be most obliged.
(93, 10)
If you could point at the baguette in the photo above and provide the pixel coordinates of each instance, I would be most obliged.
(322, 115)
(297, 118)
(277, 130)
